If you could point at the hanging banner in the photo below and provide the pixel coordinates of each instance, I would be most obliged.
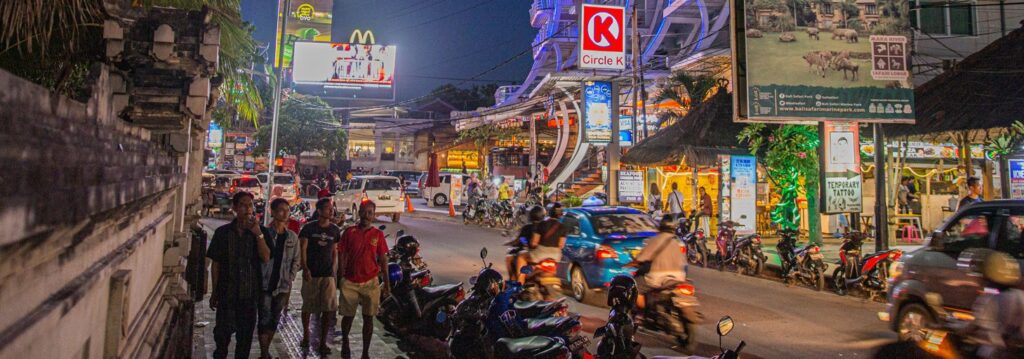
(308, 20)
(744, 193)
(1017, 178)
(841, 184)
(597, 111)
(602, 37)
(631, 187)
(724, 188)
(822, 61)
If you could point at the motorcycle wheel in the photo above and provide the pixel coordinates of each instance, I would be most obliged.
(687, 339)
(389, 317)
(839, 280)
(606, 348)
(819, 282)
(758, 266)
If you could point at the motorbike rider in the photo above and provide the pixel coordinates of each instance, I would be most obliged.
(548, 238)
(999, 317)
(521, 241)
(659, 261)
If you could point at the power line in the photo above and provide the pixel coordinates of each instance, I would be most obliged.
(447, 16)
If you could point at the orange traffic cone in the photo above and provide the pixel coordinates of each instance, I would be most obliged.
(451, 209)
(408, 205)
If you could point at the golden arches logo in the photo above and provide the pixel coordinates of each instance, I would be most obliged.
(361, 37)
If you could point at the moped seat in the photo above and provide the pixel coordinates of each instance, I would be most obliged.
(435, 291)
(529, 347)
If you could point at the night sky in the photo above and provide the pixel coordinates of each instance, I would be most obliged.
(439, 41)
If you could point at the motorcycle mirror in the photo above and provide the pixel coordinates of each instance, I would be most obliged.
(472, 280)
(483, 253)
(725, 326)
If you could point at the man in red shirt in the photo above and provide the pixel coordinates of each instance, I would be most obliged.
(362, 254)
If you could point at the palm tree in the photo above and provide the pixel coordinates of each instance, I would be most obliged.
(686, 90)
(51, 39)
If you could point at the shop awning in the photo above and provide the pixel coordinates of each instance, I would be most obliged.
(704, 133)
(984, 91)
(464, 120)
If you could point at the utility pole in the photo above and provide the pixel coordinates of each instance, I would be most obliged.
(881, 211)
(613, 150)
(279, 73)
(635, 46)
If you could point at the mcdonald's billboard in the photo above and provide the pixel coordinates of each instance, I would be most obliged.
(345, 70)
(308, 20)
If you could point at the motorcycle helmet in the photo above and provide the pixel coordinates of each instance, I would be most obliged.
(536, 214)
(488, 280)
(407, 246)
(554, 210)
(622, 291)
(394, 273)
(668, 223)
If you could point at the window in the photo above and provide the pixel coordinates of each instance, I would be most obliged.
(362, 149)
(969, 231)
(284, 179)
(1011, 241)
(623, 224)
(871, 9)
(572, 224)
(246, 182)
(826, 9)
(943, 18)
(381, 184)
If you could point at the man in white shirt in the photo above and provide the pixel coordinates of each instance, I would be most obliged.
(674, 202)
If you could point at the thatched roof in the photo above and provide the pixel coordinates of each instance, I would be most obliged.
(705, 132)
(984, 91)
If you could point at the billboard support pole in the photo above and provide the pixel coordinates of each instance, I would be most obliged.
(613, 150)
(634, 45)
(881, 211)
(279, 73)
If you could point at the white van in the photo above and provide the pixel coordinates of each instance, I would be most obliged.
(438, 196)
(385, 191)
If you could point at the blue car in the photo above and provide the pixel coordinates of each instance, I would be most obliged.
(601, 240)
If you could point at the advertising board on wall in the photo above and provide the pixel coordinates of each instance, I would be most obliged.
(345, 70)
(631, 187)
(841, 184)
(1017, 178)
(744, 193)
(597, 111)
(308, 20)
(822, 61)
(602, 37)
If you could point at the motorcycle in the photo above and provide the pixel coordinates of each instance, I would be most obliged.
(616, 336)
(695, 241)
(803, 264)
(745, 252)
(538, 347)
(415, 308)
(869, 273)
(673, 310)
(475, 211)
(541, 281)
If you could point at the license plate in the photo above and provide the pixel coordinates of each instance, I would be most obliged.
(384, 197)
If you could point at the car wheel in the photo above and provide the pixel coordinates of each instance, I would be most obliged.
(912, 322)
(440, 199)
(579, 284)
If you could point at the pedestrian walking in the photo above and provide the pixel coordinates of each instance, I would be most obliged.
(362, 255)
(277, 273)
(653, 200)
(705, 210)
(674, 204)
(237, 250)
(973, 193)
(319, 260)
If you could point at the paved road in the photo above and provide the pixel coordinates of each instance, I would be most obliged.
(775, 320)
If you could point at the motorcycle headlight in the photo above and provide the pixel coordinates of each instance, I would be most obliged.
(896, 270)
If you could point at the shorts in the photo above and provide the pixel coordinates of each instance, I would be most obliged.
(270, 309)
(365, 295)
(318, 295)
(542, 252)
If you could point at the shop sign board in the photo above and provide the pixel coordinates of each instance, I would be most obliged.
(743, 193)
(308, 20)
(1017, 178)
(347, 70)
(455, 190)
(602, 37)
(631, 187)
(824, 70)
(841, 184)
(597, 111)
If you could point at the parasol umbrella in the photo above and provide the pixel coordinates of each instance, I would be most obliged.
(433, 172)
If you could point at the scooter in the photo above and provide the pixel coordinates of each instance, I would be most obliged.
(541, 281)
(804, 264)
(616, 336)
(695, 241)
(672, 310)
(745, 252)
(418, 309)
(869, 273)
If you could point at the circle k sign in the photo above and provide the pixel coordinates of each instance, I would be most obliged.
(602, 37)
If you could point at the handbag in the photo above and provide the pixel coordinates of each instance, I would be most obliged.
(644, 267)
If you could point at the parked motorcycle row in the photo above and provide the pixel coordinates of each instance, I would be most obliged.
(490, 213)
(800, 265)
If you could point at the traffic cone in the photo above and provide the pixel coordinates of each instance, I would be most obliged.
(408, 205)
(451, 209)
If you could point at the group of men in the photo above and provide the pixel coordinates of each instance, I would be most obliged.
(253, 268)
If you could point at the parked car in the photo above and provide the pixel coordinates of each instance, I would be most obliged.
(409, 181)
(286, 181)
(384, 191)
(933, 268)
(438, 196)
(601, 240)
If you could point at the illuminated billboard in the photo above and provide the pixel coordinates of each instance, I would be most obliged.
(308, 20)
(345, 70)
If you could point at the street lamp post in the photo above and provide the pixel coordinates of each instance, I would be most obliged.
(279, 72)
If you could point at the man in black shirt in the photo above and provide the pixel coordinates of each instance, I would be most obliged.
(517, 259)
(237, 251)
(318, 240)
(973, 193)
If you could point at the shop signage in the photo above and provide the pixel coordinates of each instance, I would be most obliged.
(744, 193)
(841, 184)
(1017, 178)
(625, 131)
(457, 159)
(455, 190)
(215, 136)
(631, 187)
(824, 70)
(344, 69)
(597, 111)
(725, 188)
(924, 150)
(602, 37)
(308, 20)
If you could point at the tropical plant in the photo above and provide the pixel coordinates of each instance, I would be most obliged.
(688, 91)
(571, 200)
(1008, 142)
(789, 154)
(305, 124)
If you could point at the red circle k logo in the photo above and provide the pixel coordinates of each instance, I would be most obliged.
(603, 28)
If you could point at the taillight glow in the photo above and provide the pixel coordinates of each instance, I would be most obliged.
(896, 255)
(682, 249)
(460, 295)
(606, 252)
(548, 265)
(686, 289)
(815, 250)
(756, 239)
(576, 329)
